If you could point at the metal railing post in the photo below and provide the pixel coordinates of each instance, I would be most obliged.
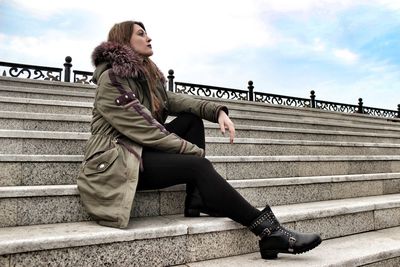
(171, 80)
(360, 106)
(251, 90)
(67, 69)
(312, 99)
(398, 111)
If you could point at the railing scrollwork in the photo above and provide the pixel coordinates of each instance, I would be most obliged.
(86, 77)
(210, 91)
(281, 100)
(30, 71)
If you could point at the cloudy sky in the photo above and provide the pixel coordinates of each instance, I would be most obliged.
(341, 49)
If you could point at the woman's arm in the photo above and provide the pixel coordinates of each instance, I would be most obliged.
(134, 120)
(204, 109)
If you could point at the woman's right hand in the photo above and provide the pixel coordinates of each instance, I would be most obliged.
(225, 123)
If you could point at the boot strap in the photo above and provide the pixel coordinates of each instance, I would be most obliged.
(265, 224)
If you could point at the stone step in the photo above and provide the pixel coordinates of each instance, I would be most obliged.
(244, 106)
(46, 85)
(173, 240)
(371, 249)
(28, 205)
(72, 143)
(236, 107)
(53, 94)
(81, 123)
(314, 123)
(85, 108)
(44, 106)
(20, 169)
(250, 107)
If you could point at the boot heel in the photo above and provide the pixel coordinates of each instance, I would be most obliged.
(269, 254)
(192, 213)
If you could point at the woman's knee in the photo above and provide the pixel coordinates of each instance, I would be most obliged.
(193, 118)
(198, 166)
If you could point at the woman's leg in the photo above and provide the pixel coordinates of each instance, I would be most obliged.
(189, 127)
(164, 169)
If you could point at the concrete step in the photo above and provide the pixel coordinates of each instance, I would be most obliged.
(173, 240)
(315, 123)
(44, 106)
(44, 121)
(300, 111)
(72, 143)
(85, 108)
(81, 123)
(46, 85)
(28, 205)
(20, 169)
(236, 107)
(245, 107)
(53, 94)
(379, 248)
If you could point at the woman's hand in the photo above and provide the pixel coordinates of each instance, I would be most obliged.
(225, 123)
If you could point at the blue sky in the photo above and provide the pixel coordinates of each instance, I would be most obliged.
(341, 49)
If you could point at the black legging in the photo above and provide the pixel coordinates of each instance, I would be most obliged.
(163, 169)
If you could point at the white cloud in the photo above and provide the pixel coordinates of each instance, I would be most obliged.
(346, 55)
(318, 45)
(189, 36)
(49, 49)
(43, 9)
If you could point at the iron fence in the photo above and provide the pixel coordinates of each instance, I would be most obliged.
(85, 77)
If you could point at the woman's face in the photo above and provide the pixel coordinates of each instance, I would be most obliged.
(140, 41)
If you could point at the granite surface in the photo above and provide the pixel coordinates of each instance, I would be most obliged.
(11, 173)
(394, 262)
(391, 186)
(9, 209)
(38, 173)
(220, 244)
(46, 210)
(5, 260)
(385, 218)
(140, 253)
(336, 226)
(356, 250)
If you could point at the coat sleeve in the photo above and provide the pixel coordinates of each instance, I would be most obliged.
(129, 117)
(207, 110)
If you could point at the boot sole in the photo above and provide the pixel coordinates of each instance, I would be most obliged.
(273, 254)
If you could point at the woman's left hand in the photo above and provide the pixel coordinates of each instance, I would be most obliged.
(225, 123)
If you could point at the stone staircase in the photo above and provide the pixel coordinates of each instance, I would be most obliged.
(333, 173)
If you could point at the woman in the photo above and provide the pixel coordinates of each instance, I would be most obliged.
(131, 147)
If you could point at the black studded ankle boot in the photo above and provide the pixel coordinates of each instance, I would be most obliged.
(277, 239)
(194, 204)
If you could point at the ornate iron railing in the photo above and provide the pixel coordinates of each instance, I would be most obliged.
(281, 100)
(85, 77)
(210, 91)
(30, 71)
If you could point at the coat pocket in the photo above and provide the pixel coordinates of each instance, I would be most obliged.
(100, 162)
(105, 176)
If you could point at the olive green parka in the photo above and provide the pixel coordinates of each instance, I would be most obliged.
(122, 124)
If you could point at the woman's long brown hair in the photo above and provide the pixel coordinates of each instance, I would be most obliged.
(121, 33)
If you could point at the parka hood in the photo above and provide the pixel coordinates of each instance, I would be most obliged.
(123, 60)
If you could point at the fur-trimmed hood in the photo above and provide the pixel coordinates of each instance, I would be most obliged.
(124, 61)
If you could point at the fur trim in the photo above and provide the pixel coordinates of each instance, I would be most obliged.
(123, 60)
